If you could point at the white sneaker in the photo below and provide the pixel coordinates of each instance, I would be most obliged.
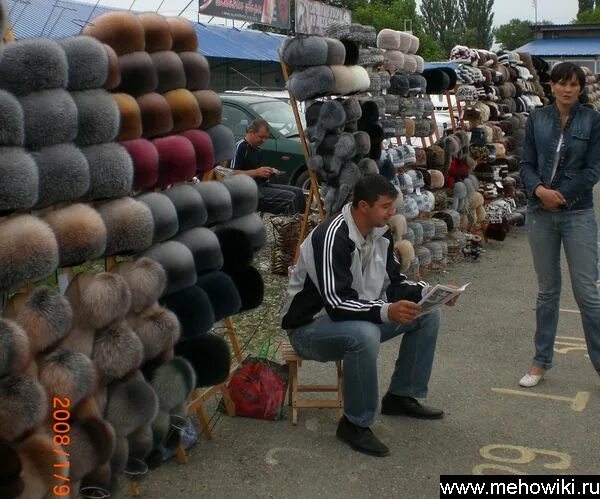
(530, 380)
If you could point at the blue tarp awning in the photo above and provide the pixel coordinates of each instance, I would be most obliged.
(41, 18)
(563, 47)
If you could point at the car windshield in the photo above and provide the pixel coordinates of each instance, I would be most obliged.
(280, 116)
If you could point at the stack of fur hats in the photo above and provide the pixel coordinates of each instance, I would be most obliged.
(591, 92)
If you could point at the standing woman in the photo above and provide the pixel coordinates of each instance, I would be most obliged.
(560, 164)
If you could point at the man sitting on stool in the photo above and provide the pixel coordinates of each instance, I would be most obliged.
(272, 198)
(347, 295)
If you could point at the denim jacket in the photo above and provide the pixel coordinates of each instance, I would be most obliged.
(579, 163)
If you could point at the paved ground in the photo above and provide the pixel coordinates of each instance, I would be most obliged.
(491, 426)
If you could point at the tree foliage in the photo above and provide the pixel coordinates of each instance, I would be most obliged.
(477, 18)
(442, 21)
(514, 34)
(585, 5)
(588, 17)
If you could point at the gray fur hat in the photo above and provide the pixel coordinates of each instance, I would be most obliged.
(349, 175)
(312, 82)
(164, 214)
(352, 109)
(131, 404)
(336, 52)
(12, 126)
(327, 116)
(173, 383)
(28, 251)
(55, 107)
(80, 233)
(302, 51)
(178, 262)
(197, 70)
(217, 200)
(251, 225)
(191, 211)
(31, 65)
(24, 405)
(362, 142)
(223, 143)
(92, 444)
(20, 179)
(63, 174)
(140, 443)
(4, 24)
(368, 166)
(244, 194)
(204, 245)
(98, 115)
(88, 62)
(111, 171)
(129, 226)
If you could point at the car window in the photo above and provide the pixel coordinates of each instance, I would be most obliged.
(236, 119)
(279, 115)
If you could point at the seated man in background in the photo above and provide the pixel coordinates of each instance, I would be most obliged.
(272, 198)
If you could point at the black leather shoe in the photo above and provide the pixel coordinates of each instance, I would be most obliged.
(361, 439)
(396, 405)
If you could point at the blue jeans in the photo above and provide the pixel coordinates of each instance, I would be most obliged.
(578, 233)
(357, 343)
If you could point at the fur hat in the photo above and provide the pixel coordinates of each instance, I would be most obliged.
(362, 142)
(20, 179)
(146, 280)
(406, 253)
(210, 106)
(173, 383)
(15, 348)
(12, 128)
(24, 405)
(184, 109)
(250, 285)
(157, 33)
(155, 115)
(49, 106)
(344, 82)
(398, 226)
(253, 227)
(117, 351)
(188, 202)
(131, 117)
(184, 35)
(169, 70)
(129, 226)
(113, 79)
(122, 30)
(111, 171)
(178, 262)
(131, 404)
(210, 357)
(410, 64)
(138, 74)
(438, 81)
(388, 39)
(323, 117)
(92, 444)
(244, 194)
(80, 233)
(223, 142)
(164, 214)
(11, 483)
(98, 117)
(32, 65)
(39, 458)
(140, 443)
(196, 69)
(87, 61)
(352, 53)
(399, 85)
(204, 245)
(157, 328)
(236, 250)
(193, 309)
(222, 292)
(144, 156)
(312, 82)
(203, 145)
(28, 251)
(336, 52)
(305, 51)
(177, 160)
(217, 200)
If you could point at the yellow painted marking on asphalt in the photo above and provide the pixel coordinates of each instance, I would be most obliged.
(527, 455)
(578, 404)
(503, 470)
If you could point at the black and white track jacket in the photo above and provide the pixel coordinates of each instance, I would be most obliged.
(328, 277)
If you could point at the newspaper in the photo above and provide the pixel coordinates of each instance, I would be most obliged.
(437, 296)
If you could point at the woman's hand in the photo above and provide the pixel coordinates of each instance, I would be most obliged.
(551, 199)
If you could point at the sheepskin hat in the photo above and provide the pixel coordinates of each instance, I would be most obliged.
(111, 171)
(301, 51)
(406, 253)
(164, 215)
(193, 309)
(169, 70)
(222, 292)
(177, 160)
(87, 61)
(394, 60)
(204, 245)
(12, 128)
(178, 262)
(244, 194)
(312, 82)
(32, 65)
(122, 30)
(131, 117)
(217, 200)
(223, 142)
(155, 114)
(253, 227)
(98, 117)
(49, 106)
(205, 153)
(28, 251)
(144, 157)
(185, 109)
(24, 405)
(184, 35)
(80, 233)
(210, 357)
(197, 70)
(20, 179)
(129, 226)
(138, 74)
(157, 33)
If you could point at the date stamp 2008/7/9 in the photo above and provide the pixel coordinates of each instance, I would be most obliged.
(61, 427)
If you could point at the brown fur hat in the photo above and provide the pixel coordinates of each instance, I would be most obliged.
(185, 110)
(117, 351)
(210, 106)
(157, 328)
(122, 30)
(28, 251)
(39, 460)
(184, 35)
(93, 442)
(131, 117)
(156, 115)
(24, 405)
(80, 233)
(169, 71)
(113, 79)
(45, 315)
(156, 31)
(146, 280)
(197, 70)
(138, 74)
(131, 405)
(15, 348)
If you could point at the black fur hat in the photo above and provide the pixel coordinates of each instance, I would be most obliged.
(11, 483)
(12, 126)
(93, 442)
(129, 226)
(138, 74)
(173, 383)
(157, 328)
(146, 280)
(178, 262)
(131, 404)
(164, 215)
(194, 310)
(210, 357)
(98, 115)
(204, 245)
(236, 249)
(217, 200)
(252, 225)
(19, 189)
(188, 202)
(438, 81)
(140, 442)
(111, 171)
(15, 348)
(24, 405)
(80, 233)
(250, 285)
(88, 62)
(222, 293)
(244, 194)
(63, 173)
(28, 251)
(117, 352)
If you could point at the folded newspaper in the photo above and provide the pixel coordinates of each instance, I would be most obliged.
(437, 296)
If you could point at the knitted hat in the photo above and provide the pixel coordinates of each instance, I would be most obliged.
(210, 357)
(177, 160)
(250, 224)
(98, 117)
(183, 32)
(155, 114)
(217, 200)
(312, 82)
(222, 292)
(111, 171)
(157, 33)
(24, 406)
(223, 142)
(184, 109)
(197, 70)
(169, 70)
(467, 93)
(122, 30)
(305, 51)
(164, 215)
(131, 118)
(204, 245)
(178, 262)
(138, 74)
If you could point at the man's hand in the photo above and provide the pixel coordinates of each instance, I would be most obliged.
(403, 311)
(551, 199)
(452, 302)
(263, 172)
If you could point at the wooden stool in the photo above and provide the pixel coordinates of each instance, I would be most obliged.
(293, 360)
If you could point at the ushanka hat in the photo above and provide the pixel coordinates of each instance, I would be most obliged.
(303, 51)
(315, 81)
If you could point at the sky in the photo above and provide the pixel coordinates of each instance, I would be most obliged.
(555, 11)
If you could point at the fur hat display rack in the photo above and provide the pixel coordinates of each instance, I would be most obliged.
(101, 366)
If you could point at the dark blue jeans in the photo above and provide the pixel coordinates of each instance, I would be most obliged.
(357, 343)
